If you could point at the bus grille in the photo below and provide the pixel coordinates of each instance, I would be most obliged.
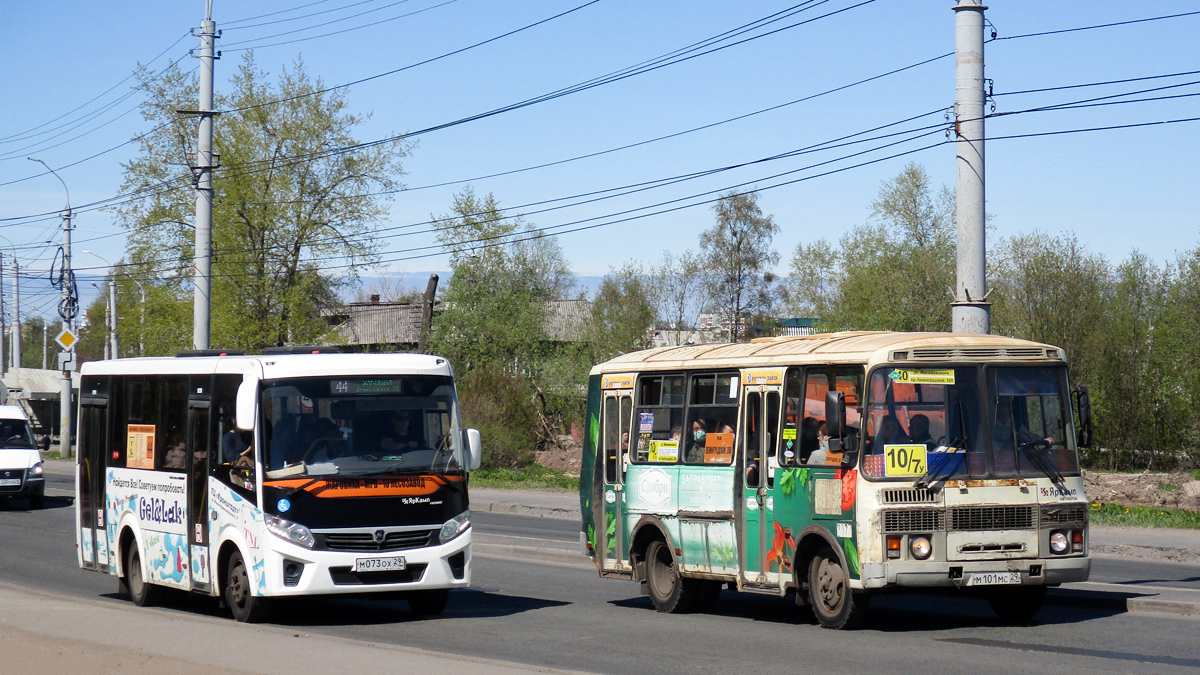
(365, 541)
(992, 518)
(12, 474)
(910, 496)
(1065, 514)
(342, 576)
(913, 520)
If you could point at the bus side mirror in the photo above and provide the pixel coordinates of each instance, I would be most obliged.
(474, 450)
(46, 443)
(247, 400)
(835, 414)
(1083, 407)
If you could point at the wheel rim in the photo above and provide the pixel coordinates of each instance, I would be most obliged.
(831, 585)
(238, 585)
(662, 577)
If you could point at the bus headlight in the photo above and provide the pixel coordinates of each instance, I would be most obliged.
(286, 529)
(455, 526)
(37, 469)
(920, 547)
(1058, 542)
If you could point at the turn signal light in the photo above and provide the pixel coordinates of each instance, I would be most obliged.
(893, 547)
(1077, 541)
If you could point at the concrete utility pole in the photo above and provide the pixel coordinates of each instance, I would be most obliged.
(45, 341)
(112, 317)
(970, 311)
(204, 188)
(3, 322)
(16, 341)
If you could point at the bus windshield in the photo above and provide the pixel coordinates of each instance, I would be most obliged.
(360, 426)
(926, 424)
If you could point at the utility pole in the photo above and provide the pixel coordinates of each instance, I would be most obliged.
(112, 316)
(970, 311)
(45, 341)
(16, 341)
(204, 188)
(3, 323)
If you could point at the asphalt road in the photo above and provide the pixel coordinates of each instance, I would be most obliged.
(562, 616)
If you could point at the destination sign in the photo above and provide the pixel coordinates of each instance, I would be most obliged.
(359, 387)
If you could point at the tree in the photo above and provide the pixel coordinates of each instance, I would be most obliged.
(677, 292)
(737, 258)
(621, 314)
(893, 274)
(296, 202)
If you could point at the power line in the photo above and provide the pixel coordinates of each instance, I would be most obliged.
(336, 32)
(1096, 84)
(1100, 25)
(294, 18)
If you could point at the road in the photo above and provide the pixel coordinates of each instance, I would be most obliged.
(560, 615)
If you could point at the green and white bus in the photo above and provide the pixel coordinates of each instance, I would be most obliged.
(832, 467)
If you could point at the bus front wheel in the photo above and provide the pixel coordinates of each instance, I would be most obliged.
(835, 605)
(668, 591)
(242, 602)
(143, 593)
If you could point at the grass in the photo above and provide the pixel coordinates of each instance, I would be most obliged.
(53, 454)
(532, 477)
(1111, 513)
(1196, 474)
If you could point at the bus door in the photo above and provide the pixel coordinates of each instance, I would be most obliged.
(761, 401)
(93, 444)
(199, 451)
(616, 414)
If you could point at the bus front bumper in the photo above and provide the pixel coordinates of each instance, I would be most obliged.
(294, 570)
(934, 574)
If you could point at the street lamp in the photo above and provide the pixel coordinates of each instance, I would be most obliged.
(66, 309)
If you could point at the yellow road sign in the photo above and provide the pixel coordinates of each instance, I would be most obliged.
(66, 339)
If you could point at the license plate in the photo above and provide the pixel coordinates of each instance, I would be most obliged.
(378, 564)
(9, 482)
(994, 578)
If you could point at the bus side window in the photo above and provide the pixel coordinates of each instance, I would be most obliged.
(171, 436)
(612, 437)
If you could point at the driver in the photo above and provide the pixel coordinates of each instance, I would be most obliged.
(401, 436)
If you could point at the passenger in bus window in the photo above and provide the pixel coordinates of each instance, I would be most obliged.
(283, 442)
(677, 433)
(694, 452)
(232, 445)
(890, 432)
(176, 455)
(402, 436)
(810, 440)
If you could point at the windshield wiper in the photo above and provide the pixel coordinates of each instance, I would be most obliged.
(1031, 451)
(958, 443)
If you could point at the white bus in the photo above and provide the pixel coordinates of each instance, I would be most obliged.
(281, 474)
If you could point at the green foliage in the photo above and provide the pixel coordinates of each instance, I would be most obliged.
(737, 258)
(275, 220)
(621, 314)
(1110, 513)
(497, 403)
(891, 275)
(532, 477)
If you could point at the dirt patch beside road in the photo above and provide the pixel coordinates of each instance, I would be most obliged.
(1161, 490)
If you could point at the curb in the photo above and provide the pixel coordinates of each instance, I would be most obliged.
(523, 510)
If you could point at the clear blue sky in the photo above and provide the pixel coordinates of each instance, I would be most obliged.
(1116, 190)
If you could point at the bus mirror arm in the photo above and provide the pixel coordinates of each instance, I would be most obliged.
(247, 397)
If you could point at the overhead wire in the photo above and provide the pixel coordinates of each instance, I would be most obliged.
(255, 43)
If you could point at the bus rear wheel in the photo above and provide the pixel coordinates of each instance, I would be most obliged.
(669, 592)
(242, 602)
(429, 602)
(835, 605)
(1017, 603)
(142, 592)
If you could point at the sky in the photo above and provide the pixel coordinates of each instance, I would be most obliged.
(67, 99)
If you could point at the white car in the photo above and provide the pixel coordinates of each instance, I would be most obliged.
(21, 471)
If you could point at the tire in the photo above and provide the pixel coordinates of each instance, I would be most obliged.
(669, 592)
(142, 592)
(1017, 603)
(238, 594)
(833, 603)
(428, 603)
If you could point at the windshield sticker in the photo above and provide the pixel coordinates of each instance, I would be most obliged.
(283, 505)
(140, 448)
(646, 421)
(789, 434)
(718, 448)
(905, 460)
(733, 386)
(664, 451)
(904, 376)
